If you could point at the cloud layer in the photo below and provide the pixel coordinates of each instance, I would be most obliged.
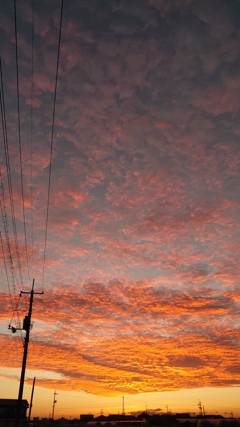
(142, 262)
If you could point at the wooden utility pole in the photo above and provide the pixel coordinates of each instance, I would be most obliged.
(54, 402)
(30, 407)
(123, 409)
(26, 327)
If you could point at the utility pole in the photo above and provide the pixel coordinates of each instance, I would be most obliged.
(30, 407)
(26, 327)
(54, 401)
(123, 409)
(200, 408)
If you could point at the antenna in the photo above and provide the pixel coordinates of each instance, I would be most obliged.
(26, 327)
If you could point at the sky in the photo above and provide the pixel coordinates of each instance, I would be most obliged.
(137, 247)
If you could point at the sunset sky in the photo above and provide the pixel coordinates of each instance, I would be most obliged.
(138, 250)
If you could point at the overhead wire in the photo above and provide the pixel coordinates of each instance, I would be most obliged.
(4, 125)
(6, 271)
(19, 137)
(7, 256)
(6, 230)
(10, 260)
(51, 146)
(31, 135)
(8, 168)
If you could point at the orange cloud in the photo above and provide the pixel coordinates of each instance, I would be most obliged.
(90, 339)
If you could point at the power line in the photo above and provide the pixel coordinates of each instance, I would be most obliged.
(6, 230)
(5, 265)
(19, 137)
(31, 131)
(5, 225)
(51, 148)
(5, 141)
(15, 314)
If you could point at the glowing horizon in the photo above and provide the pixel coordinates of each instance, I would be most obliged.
(141, 273)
